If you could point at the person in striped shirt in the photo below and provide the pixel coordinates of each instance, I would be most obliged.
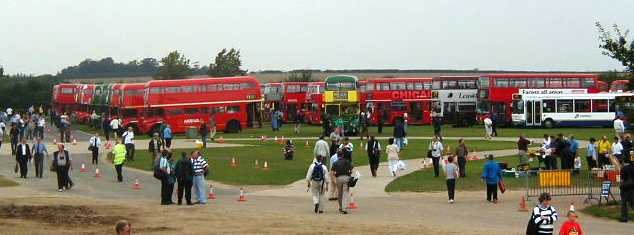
(544, 215)
(201, 169)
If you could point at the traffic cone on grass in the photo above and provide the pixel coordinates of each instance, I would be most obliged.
(523, 204)
(212, 194)
(257, 164)
(263, 139)
(233, 162)
(221, 140)
(243, 196)
(83, 168)
(97, 173)
(136, 185)
(266, 165)
(352, 204)
(307, 144)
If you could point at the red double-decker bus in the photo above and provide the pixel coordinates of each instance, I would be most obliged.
(65, 97)
(620, 85)
(294, 96)
(86, 92)
(233, 102)
(314, 101)
(495, 91)
(393, 97)
(130, 104)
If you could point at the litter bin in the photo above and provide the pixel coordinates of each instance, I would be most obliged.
(192, 132)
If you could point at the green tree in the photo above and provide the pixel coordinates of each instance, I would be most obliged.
(226, 64)
(174, 66)
(615, 45)
(1, 71)
(300, 76)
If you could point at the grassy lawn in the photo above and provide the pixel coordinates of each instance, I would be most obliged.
(4, 182)
(476, 131)
(611, 211)
(424, 180)
(284, 172)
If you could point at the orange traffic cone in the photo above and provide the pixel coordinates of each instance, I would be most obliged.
(233, 162)
(523, 204)
(352, 204)
(282, 140)
(83, 168)
(263, 139)
(266, 165)
(243, 196)
(212, 194)
(136, 185)
(572, 206)
(97, 173)
(276, 139)
(257, 164)
(74, 140)
(221, 140)
(307, 144)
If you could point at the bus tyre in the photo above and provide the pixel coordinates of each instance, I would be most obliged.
(548, 123)
(233, 126)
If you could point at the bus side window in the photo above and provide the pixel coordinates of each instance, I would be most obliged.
(599, 106)
(582, 106)
(549, 106)
(233, 109)
(564, 106)
(611, 105)
(191, 111)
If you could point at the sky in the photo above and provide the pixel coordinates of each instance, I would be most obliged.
(38, 37)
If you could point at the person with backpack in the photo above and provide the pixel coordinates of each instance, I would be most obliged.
(185, 178)
(62, 163)
(316, 179)
(543, 217)
(119, 152)
(373, 147)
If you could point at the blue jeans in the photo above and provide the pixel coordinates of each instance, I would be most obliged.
(400, 142)
(201, 188)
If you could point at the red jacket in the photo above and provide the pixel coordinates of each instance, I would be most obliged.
(570, 226)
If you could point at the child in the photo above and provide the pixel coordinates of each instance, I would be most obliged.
(577, 167)
(452, 173)
(289, 149)
(571, 227)
(392, 151)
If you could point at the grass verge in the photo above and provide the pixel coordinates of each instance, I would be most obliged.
(611, 211)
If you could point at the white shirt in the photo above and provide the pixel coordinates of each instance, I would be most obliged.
(95, 141)
(349, 146)
(41, 122)
(617, 148)
(128, 137)
(618, 125)
(321, 149)
(114, 124)
(436, 149)
(488, 122)
(23, 146)
(546, 143)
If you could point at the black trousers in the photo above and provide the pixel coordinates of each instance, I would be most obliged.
(185, 186)
(107, 134)
(550, 162)
(436, 161)
(62, 177)
(23, 166)
(492, 192)
(95, 155)
(129, 148)
(603, 160)
(166, 191)
(462, 166)
(451, 188)
(14, 145)
(39, 164)
(168, 142)
(627, 196)
(591, 163)
(119, 168)
(374, 163)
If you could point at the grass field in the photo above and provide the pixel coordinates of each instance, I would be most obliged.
(4, 182)
(610, 211)
(284, 172)
(424, 181)
(447, 130)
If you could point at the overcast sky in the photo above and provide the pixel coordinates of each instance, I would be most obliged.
(46, 36)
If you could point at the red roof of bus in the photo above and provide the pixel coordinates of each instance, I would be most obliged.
(161, 97)
(543, 75)
(132, 99)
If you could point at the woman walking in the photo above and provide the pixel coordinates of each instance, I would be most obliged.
(373, 147)
(544, 215)
(392, 151)
(492, 176)
(435, 151)
(591, 154)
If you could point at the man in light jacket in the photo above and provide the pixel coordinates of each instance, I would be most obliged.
(619, 127)
(322, 148)
(317, 182)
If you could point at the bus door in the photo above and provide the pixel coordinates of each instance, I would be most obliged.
(252, 114)
(533, 112)
(416, 111)
(291, 112)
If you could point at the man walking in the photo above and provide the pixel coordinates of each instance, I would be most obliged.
(342, 170)
(114, 126)
(399, 134)
(105, 126)
(436, 148)
(23, 156)
(128, 140)
(522, 151)
(619, 127)
(62, 163)
(321, 148)
(39, 150)
(627, 189)
(154, 147)
(185, 179)
(119, 152)
(41, 123)
(167, 136)
(204, 132)
(316, 178)
(461, 152)
(333, 179)
(94, 145)
(201, 169)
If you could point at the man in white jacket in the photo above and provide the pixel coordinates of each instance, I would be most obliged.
(619, 127)
(317, 179)
(322, 148)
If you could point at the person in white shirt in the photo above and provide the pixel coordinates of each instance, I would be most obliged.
(114, 126)
(322, 148)
(619, 127)
(128, 140)
(617, 149)
(41, 123)
(332, 181)
(317, 179)
(488, 128)
(94, 145)
(392, 152)
(436, 148)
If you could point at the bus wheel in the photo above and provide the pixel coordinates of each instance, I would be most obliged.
(548, 123)
(233, 126)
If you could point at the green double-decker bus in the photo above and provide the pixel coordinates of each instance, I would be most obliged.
(341, 100)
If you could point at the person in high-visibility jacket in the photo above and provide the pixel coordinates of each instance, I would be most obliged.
(604, 151)
(119, 153)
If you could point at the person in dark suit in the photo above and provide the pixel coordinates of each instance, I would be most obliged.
(22, 156)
